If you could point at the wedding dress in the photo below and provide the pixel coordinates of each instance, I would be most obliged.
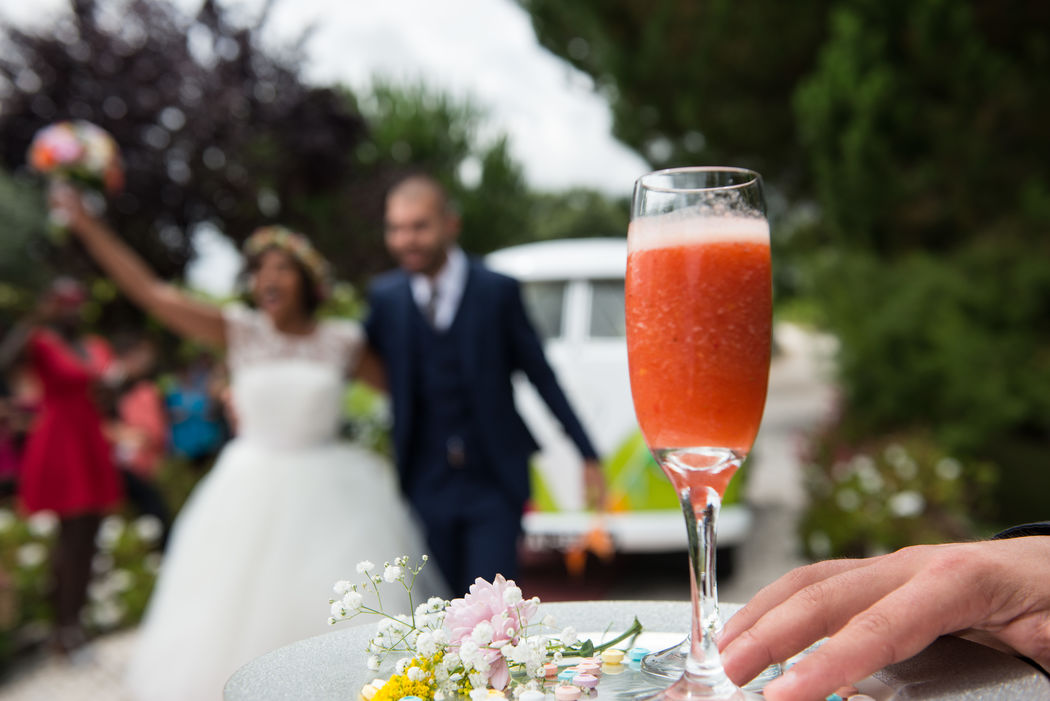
(287, 510)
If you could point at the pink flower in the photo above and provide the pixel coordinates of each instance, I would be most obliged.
(486, 602)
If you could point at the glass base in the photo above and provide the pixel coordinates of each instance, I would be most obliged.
(670, 664)
(693, 689)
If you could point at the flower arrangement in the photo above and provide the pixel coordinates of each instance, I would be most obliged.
(298, 246)
(488, 639)
(79, 152)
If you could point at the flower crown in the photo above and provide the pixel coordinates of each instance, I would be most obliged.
(275, 236)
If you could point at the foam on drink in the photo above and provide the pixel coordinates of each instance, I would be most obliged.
(690, 228)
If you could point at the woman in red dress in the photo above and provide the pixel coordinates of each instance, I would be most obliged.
(67, 466)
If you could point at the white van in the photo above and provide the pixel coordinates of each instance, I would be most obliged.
(574, 294)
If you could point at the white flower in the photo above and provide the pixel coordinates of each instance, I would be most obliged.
(373, 663)
(401, 665)
(568, 636)
(414, 674)
(511, 596)
(478, 680)
(392, 573)
(121, 580)
(31, 555)
(352, 600)
(148, 528)
(482, 634)
(43, 524)
(548, 621)
(848, 500)
(342, 586)
(102, 563)
(948, 469)
(109, 532)
(907, 504)
(331, 621)
(338, 610)
(365, 566)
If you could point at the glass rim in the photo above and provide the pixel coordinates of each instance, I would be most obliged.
(754, 178)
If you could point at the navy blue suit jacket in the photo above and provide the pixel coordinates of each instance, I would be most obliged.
(495, 339)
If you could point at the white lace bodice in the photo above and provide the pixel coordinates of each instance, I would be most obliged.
(288, 390)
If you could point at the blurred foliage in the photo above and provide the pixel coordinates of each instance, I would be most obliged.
(924, 124)
(212, 127)
(884, 494)
(694, 82)
(416, 128)
(578, 213)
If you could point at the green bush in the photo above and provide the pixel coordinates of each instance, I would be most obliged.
(957, 346)
(888, 493)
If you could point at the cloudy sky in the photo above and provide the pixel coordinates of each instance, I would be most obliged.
(484, 49)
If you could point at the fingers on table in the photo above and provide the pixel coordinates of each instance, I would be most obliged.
(780, 591)
(892, 628)
(820, 608)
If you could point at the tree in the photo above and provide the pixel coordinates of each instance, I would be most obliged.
(414, 127)
(213, 128)
(924, 124)
(694, 82)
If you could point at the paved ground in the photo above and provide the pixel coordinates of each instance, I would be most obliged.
(799, 398)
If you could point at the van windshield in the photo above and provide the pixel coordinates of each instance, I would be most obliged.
(545, 302)
(607, 309)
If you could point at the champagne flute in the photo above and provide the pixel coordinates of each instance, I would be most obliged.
(699, 318)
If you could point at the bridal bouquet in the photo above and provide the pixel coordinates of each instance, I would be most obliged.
(80, 153)
(486, 640)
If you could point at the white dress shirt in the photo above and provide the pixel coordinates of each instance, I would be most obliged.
(448, 283)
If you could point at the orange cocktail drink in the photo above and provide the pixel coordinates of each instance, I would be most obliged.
(698, 332)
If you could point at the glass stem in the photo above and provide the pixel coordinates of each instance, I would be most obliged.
(703, 668)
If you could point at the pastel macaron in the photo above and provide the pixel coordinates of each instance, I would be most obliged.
(565, 692)
(612, 656)
(585, 681)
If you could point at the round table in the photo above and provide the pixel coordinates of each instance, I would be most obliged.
(331, 667)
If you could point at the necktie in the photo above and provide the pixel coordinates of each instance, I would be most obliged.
(430, 308)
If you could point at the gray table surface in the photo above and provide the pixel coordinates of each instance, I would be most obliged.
(332, 667)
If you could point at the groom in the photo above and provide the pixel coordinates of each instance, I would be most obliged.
(451, 333)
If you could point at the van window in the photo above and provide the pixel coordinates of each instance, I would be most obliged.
(607, 309)
(545, 302)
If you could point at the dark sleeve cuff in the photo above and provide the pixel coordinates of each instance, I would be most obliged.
(1040, 528)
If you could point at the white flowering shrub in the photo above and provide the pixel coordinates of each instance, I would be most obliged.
(885, 494)
(123, 573)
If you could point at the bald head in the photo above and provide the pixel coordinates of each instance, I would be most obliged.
(420, 187)
(420, 225)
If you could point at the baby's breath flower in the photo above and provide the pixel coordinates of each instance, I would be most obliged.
(373, 663)
(392, 573)
(352, 600)
(568, 636)
(512, 595)
(482, 634)
(365, 566)
(342, 586)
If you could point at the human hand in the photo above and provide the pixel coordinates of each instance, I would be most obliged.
(67, 206)
(886, 609)
(594, 484)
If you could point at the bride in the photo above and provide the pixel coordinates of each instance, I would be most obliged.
(287, 509)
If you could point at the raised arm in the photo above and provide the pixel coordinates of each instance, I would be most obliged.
(175, 309)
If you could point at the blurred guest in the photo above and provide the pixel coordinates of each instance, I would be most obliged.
(67, 467)
(139, 429)
(194, 408)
